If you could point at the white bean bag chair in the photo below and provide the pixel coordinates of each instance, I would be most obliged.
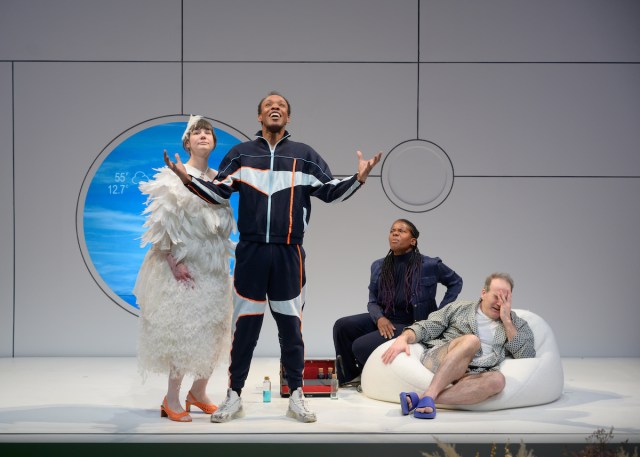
(529, 382)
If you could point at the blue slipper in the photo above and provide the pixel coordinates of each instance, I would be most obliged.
(425, 402)
(404, 404)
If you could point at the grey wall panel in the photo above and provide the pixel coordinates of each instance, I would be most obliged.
(6, 209)
(66, 113)
(90, 30)
(533, 119)
(571, 245)
(524, 31)
(301, 30)
(336, 108)
(350, 71)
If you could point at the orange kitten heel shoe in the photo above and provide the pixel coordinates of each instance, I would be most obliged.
(178, 417)
(208, 408)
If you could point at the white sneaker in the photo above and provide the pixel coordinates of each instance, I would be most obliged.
(298, 407)
(231, 408)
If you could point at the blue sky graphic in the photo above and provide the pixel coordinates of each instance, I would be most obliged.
(113, 206)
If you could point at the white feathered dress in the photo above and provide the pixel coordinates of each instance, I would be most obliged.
(186, 328)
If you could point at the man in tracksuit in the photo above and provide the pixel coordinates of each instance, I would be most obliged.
(276, 178)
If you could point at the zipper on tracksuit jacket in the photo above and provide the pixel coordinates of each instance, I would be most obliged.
(272, 151)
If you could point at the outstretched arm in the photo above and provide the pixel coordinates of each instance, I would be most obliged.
(365, 166)
(177, 167)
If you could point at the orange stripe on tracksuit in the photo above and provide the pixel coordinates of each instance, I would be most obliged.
(291, 196)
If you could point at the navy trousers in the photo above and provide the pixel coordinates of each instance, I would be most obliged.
(355, 338)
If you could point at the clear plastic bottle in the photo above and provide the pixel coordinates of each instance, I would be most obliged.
(334, 387)
(266, 390)
(320, 373)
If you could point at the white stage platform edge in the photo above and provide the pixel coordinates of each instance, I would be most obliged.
(103, 400)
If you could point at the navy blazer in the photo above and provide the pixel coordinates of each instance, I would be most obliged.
(433, 272)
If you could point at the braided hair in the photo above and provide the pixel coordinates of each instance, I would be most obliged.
(386, 283)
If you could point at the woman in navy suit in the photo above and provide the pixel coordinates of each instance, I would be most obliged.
(402, 290)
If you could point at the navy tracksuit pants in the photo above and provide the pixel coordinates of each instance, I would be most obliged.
(274, 274)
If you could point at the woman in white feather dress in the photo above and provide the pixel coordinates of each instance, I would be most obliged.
(184, 287)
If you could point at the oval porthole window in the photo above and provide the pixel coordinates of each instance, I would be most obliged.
(109, 211)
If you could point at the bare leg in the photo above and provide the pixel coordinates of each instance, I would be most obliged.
(452, 366)
(473, 388)
(199, 390)
(173, 392)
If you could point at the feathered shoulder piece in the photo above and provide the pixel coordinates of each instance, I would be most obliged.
(176, 216)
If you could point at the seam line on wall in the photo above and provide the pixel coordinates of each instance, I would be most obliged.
(377, 62)
(418, 78)
(182, 56)
(13, 198)
(551, 176)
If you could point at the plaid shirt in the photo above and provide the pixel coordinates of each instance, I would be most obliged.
(459, 318)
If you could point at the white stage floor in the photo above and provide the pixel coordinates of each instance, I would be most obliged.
(103, 400)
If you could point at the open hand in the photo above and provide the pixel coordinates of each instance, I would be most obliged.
(504, 300)
(177, 167)
(398, 346)
(365, 166)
